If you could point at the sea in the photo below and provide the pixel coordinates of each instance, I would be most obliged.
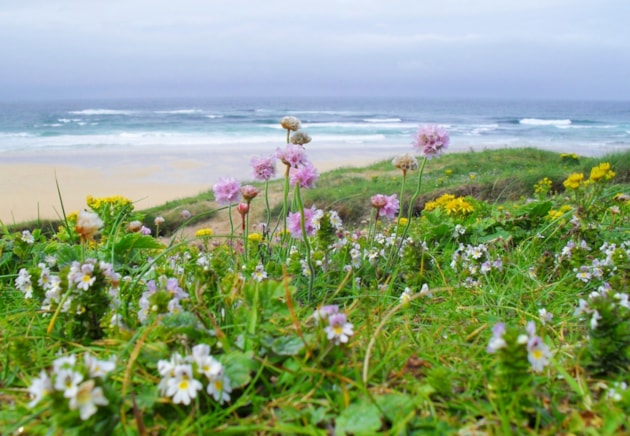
(589, 128)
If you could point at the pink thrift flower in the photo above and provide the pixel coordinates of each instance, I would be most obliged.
(249, 192)
(293, 155)
(311, 222)
(305, 176)
(431, 139)
(264, 167)
(386, 206)
(227, 190)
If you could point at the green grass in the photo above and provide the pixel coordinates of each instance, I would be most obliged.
(415, 367)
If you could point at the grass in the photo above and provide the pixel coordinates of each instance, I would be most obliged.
(424, 354)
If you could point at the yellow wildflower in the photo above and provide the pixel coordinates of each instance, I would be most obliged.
(403, 221)
(543, 186)
(602, 171)
(255, 237)
(205, 232)
(574, 181)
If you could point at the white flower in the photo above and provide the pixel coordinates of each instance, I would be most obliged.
(183, 387)
(87, 398)
(210, 367)
(64, 362)
(538, 353)
(405, 297)
(290, 123)
(88, 224)
(85, 278)
(339, 330)
(98, 368)
(496, 341)
(545, 316)
(613, 393)
(23, 283)
(68, 381)
(27, 237)
(39, 387)
(220, 388)
(425, 291)
(595, 320)
(259, 273)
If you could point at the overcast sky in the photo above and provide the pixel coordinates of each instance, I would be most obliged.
(428, 48)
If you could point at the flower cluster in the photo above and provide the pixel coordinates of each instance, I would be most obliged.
(73, 384)
(290, 123)
(305, 176)
(405, 162)
(543, 187)
(264, 167)
(179, 374)
(161, 297)
(511, 343)
(338, 330)
(88, 224)
(386, 205)
(608, 315)
(574, 181)
(431, 140)
(300, 138)
(292, 155)
(452, 205)
(86, 290)
(601, 173)
(474, 261)
(312, 217)
(227, 190)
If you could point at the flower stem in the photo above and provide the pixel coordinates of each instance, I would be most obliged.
(412, 203)
(307, 243)
(266, 230)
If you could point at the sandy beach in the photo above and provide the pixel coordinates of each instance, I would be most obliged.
(28, 180)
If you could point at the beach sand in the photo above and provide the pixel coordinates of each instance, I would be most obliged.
(28, 180)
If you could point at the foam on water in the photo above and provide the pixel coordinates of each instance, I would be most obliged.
(539, 122)
(350, 123)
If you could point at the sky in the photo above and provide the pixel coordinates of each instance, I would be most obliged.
(557, 49)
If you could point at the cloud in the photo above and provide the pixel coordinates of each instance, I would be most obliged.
(241, 46)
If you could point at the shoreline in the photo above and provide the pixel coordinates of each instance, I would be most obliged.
(28, 180)
(151, 177)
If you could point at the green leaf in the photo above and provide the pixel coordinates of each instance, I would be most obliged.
(238, 367)
(287, 345)
(138, 241)
(395, 406)
(362, 417)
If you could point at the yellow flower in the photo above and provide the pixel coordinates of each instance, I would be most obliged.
(403, 221)
(206, 232)
(543, 186)
(602, 171)
(459, 206)
(255, 237)
(448, 172)
(574, 181)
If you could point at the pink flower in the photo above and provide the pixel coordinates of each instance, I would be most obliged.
(305, 176)
(249, 192)
(386, 206)
(227, 190)
(431, 140)
(311, 222)
(292, 155)
(264, 167)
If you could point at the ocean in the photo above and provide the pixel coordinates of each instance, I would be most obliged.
(587, 128)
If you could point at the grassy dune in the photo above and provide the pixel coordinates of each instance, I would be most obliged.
(502, 310)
